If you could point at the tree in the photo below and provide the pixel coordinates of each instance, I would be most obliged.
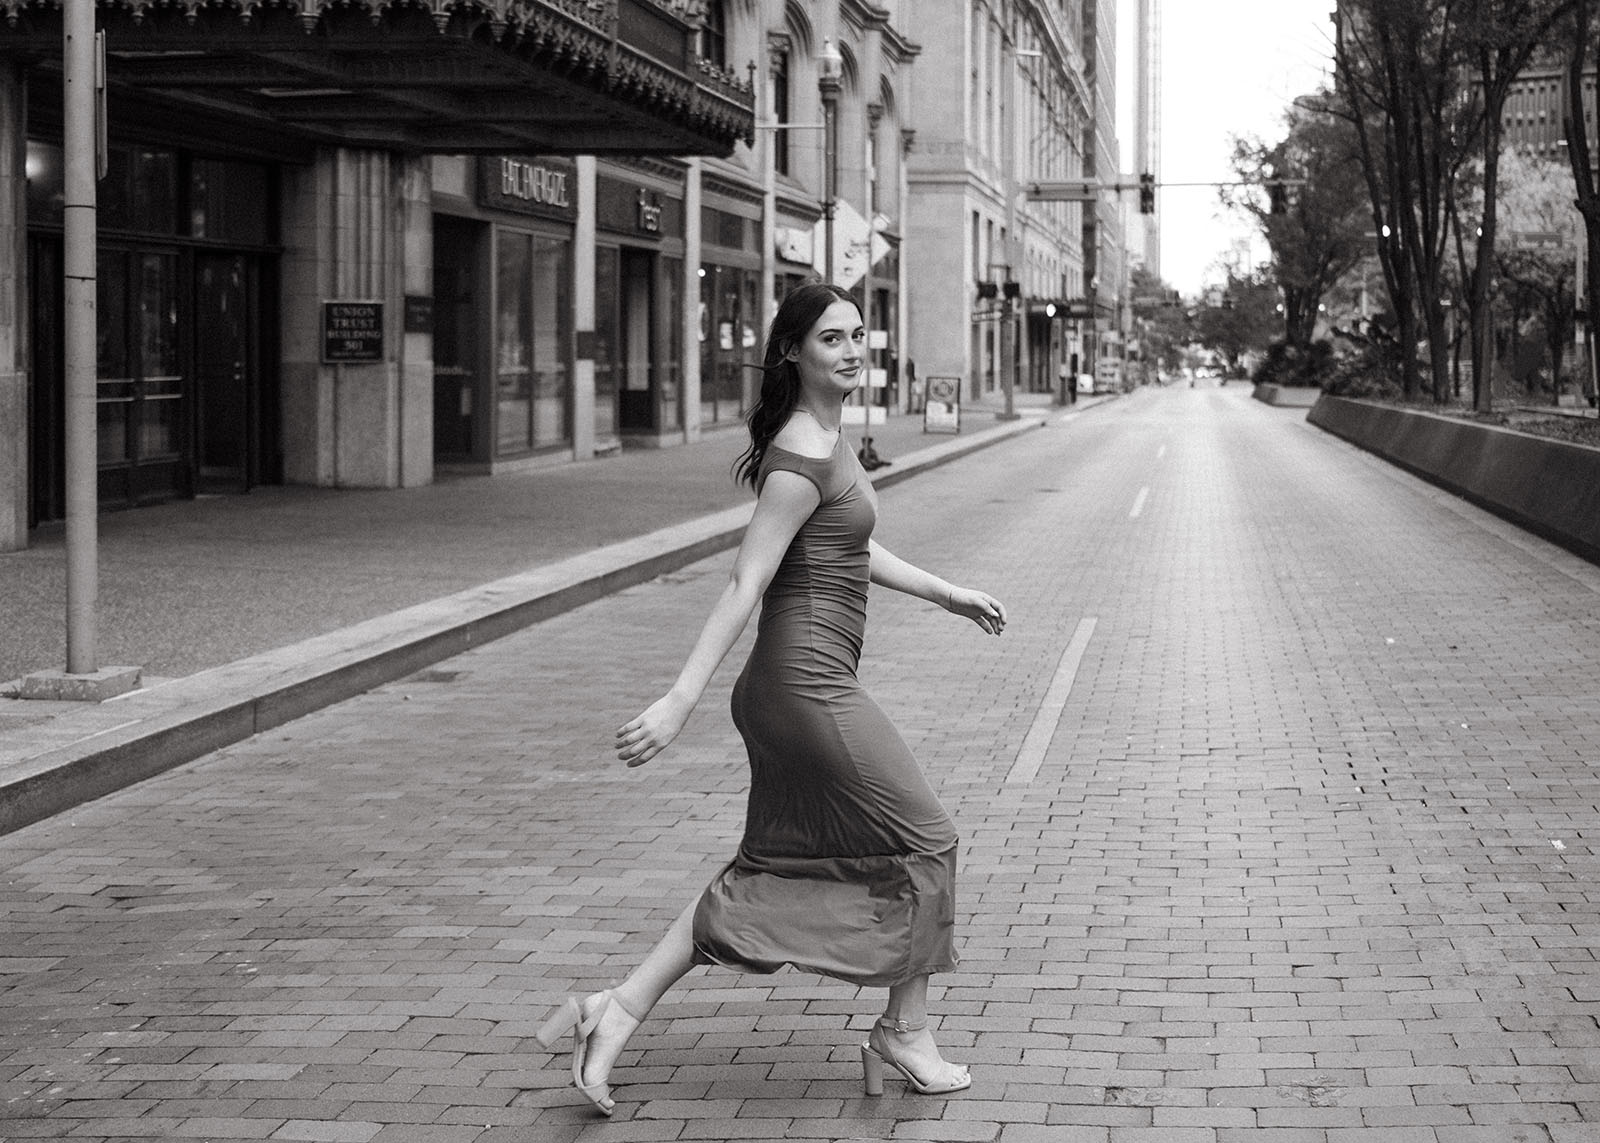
(1536, 263)
(1245, 319)
(1398, 65)
(1162, 320)
(1499, 38)
(1580, 33)
(1315, 227)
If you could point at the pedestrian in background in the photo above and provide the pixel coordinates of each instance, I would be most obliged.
(847, 865)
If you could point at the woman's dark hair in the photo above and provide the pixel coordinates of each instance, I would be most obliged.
(802, 308)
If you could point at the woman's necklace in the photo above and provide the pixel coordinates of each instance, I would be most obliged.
(817, 420)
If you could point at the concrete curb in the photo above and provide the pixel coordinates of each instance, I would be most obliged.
(138, 735)
(1550, 487)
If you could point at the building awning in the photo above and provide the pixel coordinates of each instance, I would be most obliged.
(418, 76)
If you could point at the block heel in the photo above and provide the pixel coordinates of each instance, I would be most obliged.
(871, 1070)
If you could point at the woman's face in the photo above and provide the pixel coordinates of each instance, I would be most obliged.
(831, 357)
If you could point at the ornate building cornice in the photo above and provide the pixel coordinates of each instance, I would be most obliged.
(600, 76)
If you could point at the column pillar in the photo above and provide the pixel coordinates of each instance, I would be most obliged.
(413, 276)
(691, 301)
(344, 423)
(14, 426)
(583, 312)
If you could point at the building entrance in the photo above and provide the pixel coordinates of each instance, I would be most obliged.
(185, 346)
(640, 407)
(177, 386)
(458, 432)
(226, 366)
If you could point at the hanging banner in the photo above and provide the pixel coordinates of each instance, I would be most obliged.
(853, 241)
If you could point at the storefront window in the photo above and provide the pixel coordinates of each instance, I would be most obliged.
(47, 190)
(745, 378)
(551, 307)
(727, 340)
(607, 340)
(513, 345)
(531, 333)
(114, 369)
(140, 191)
(158, 356)
(230, 201)
(671, 370)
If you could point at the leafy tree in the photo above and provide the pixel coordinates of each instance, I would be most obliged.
(1400, 86)
(1164, 327)
(1578, 38)
(1535, 266)
(1315, 227)
(1499, 37)
(1244, 321)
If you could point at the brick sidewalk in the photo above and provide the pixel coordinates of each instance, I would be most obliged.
(1288, 870)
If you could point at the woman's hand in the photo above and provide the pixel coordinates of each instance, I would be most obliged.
(979, 606)
(648, 735)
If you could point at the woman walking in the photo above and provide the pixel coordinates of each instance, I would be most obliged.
(847, 865)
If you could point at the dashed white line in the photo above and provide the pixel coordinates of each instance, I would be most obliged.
(1138, 503)
(1161, 452)
(1029, 758)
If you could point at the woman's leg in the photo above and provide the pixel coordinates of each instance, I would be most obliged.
(914, 1048)
(662, 967)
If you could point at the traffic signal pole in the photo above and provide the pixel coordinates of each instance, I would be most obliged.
(1089, 190)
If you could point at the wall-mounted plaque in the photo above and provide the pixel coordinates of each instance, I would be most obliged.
(352, 331)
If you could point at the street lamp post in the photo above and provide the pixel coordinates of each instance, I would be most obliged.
(832, 67)
(1016, 253)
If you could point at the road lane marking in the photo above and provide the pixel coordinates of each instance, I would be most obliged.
(1029, 758)
(1138, 503)
(1161, 452)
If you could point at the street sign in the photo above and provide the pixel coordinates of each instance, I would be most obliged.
(1078, 308)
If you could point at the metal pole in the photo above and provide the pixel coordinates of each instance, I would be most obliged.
(830, 114)
(78, 139)
(872, 119)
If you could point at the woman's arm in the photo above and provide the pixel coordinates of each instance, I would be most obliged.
(889, 570)
(786, 500)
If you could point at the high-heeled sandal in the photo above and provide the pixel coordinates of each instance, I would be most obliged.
(873, 1059)
(569, 1017)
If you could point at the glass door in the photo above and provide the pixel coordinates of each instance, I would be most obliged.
(224, 359)
(141, 388)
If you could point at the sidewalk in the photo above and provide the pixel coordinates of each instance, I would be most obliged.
(246, 612)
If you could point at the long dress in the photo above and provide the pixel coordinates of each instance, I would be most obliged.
(847, 864)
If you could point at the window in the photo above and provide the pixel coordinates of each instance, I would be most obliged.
(714, 33)
(780, 112)
(531, 335)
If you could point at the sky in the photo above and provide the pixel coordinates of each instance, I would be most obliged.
(1229, 68)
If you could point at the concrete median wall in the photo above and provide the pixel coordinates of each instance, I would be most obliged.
(1295, 396)
(1550, 487)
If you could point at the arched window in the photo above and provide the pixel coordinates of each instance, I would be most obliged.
(714, 33)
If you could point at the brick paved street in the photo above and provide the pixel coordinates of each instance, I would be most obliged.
(1308, 858)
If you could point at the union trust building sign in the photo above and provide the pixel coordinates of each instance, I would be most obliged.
(420, 76)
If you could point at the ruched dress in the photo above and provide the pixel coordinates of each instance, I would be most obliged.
(848, 860)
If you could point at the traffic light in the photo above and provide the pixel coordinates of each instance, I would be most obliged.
(988, 290)
(1147, 193)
